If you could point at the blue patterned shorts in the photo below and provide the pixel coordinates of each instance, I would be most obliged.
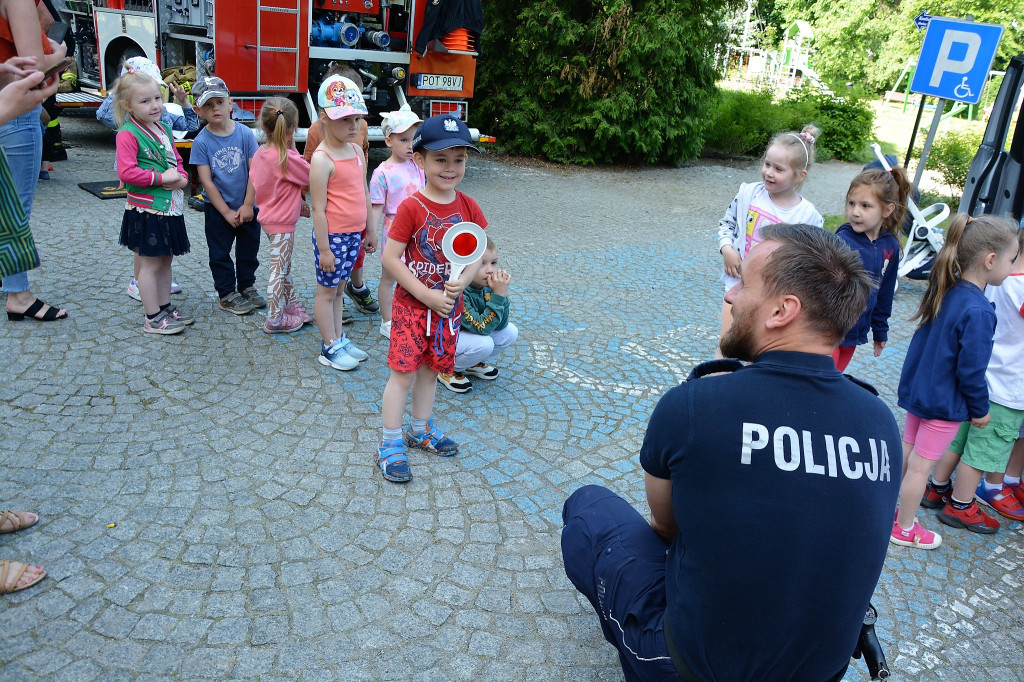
(345, 248)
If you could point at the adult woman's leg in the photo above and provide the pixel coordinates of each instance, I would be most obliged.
(22, 141)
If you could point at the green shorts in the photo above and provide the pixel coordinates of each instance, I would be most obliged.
(988, 449)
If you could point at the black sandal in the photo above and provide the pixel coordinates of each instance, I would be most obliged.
(32, 312)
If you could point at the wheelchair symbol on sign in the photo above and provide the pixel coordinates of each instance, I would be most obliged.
(963, 91)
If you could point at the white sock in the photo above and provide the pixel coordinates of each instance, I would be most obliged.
(992, 487)
(1010, 480)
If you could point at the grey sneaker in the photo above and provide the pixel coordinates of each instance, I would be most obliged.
(252, 296)
(163, 323)
(176, 314)
(234, 303)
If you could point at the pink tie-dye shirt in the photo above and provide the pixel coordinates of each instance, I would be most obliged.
(390, 185)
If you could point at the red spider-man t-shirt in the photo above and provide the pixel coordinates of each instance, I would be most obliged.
(421, 224)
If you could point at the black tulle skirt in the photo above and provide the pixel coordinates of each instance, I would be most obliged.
(152, 235)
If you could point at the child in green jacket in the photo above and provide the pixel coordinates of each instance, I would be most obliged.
(485, 330)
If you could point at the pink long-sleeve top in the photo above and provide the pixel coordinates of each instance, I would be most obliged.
(278, 193)
(128, 162)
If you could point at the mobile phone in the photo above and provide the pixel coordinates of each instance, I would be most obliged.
(59, 66)
(58, 32)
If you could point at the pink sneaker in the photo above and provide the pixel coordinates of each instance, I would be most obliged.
(298, 310)
(283, 325)
(918, 536)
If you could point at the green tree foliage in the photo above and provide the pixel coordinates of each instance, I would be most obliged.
(744, 122)
(870, 41)
(599, 81)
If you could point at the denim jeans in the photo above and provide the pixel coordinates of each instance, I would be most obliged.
(22, 140)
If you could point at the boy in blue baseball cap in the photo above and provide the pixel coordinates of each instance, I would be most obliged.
(428, 306)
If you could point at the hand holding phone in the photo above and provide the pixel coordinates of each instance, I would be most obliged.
(56, 68)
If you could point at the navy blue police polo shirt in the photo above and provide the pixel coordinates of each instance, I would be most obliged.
(784, 476)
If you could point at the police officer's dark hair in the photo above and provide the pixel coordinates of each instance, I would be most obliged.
(819, 268)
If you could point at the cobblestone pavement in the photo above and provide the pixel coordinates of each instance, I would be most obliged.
(255, 538)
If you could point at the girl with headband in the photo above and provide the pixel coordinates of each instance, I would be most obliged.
(775, 199)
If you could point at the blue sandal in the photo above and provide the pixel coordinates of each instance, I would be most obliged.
(392, 462)
(433, 441)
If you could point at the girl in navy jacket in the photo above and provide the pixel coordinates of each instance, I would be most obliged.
(943, 378)
(875, 206)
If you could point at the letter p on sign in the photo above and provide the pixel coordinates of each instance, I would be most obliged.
(946, 64)
(955, 59)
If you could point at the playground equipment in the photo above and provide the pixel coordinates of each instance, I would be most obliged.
(782, 70)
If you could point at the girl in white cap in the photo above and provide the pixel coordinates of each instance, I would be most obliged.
(392, 181)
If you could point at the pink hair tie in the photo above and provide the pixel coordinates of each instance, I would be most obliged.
(807, 136)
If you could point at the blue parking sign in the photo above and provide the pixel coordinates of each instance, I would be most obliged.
(955, 59)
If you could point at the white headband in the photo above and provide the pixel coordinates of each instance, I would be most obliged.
(807, 151)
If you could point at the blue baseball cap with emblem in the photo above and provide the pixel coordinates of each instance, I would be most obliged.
(443, 132)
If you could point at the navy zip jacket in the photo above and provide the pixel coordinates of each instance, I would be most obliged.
(881, 259)
(944, 372)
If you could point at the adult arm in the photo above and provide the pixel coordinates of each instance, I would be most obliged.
(659, 499)
(27, 32)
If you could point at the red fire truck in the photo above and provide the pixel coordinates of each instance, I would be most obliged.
(264, 48)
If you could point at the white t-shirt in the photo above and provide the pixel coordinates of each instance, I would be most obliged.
(761, 211)
(1005, 373)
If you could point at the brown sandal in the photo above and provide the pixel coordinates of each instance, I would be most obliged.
(11, 575)
(18, 520)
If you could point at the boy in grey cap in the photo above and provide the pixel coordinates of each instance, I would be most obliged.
(222, 153)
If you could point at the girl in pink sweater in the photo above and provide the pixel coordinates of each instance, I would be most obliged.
(278, 174)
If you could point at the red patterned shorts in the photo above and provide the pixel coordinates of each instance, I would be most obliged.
(411, 347)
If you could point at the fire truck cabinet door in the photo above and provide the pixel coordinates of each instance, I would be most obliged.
(113, 27)
(262, 44)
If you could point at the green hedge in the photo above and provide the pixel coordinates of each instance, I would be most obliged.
(744, 122)
(599, 81)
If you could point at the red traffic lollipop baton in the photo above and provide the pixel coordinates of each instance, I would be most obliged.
(463, 244)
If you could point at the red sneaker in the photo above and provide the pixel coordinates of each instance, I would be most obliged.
(1018, 491)
(1002, 500)
(971, 518)
(935, 498)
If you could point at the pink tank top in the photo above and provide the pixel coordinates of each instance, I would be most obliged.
(346, 194)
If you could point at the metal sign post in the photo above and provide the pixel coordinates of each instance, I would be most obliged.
(940, 105)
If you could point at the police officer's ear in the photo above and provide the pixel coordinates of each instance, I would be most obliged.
(783, 311)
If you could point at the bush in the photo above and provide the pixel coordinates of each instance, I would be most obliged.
(846, 123)
(745, 122)
(951, 157)
(599, 81)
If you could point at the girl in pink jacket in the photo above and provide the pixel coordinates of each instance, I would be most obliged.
(278, 174)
